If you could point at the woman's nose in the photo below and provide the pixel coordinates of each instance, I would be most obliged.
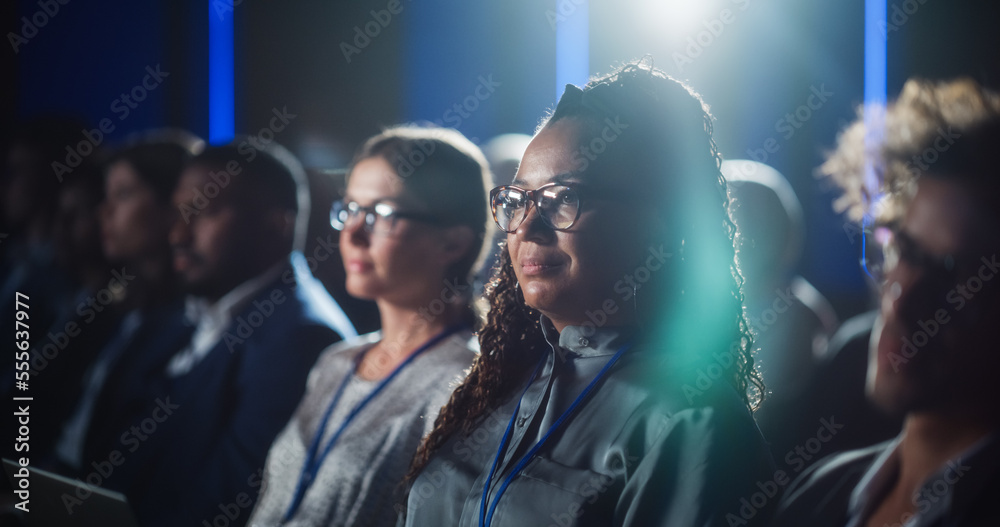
(533, 226)
(354, 231)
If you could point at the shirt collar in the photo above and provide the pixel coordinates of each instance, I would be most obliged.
(211, 320)
(585, 341)
(198, 311)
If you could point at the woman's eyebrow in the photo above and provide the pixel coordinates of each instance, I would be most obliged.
(377, 199)
(566, 177)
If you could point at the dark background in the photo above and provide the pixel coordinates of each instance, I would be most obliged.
(430, 56)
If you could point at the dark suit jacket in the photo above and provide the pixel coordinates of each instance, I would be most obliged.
(161, 332)
(821, 496)
(197, 448)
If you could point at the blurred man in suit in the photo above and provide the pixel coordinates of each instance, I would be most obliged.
(209, 409)
(933, 357)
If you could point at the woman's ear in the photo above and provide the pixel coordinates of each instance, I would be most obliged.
(458, 240)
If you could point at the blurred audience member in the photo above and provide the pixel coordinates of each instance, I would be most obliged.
(29, 197)
(504, 153)
(77, 332)
(933, 348)
(33, 200)
(410, 242)
(136, 216)
(212, 405)
(791, 320)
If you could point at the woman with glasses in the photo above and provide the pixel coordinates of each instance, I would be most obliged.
(614, 384)
(412, 225)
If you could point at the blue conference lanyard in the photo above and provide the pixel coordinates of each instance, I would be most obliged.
(313, 463)
(486, 514)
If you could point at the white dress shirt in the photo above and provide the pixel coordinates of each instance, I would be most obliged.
(212, 320)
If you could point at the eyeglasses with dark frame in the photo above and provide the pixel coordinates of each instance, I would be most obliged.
(886, 245)
(558, 204)
(379, 217)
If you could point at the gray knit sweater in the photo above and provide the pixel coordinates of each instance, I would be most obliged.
(357, 483)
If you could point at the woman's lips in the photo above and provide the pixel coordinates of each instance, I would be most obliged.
(538, 267)
(358, 266)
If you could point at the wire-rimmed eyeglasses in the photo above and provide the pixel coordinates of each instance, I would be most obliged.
(379, 217)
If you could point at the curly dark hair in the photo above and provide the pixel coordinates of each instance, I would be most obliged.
(678, 171)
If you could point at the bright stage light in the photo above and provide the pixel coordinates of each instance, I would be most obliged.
(675, 19)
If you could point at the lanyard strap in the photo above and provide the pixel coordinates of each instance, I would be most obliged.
(486, 514)
(312, 464)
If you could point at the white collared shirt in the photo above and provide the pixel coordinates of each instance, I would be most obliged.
(212, 320)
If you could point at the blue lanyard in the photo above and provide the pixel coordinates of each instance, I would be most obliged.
(313, 463)
(486, 514)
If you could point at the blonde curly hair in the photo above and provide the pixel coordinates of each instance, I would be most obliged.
(933, 127)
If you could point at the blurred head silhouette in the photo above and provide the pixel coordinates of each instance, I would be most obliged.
(770, 221)
(239, 213)
(30, 185)
(137, 212)
(936, 209)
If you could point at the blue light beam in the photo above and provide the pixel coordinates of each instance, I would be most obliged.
(221, 103)
(573, 47)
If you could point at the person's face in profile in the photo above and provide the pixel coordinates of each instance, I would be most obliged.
(76, 229)
(566, 274)
(134, 224)
(398, 259)
(19, 186)
(932, 348)
(218, 241)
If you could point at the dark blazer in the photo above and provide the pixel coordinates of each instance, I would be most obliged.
(162, 331)
(197, 448)
(821, 496)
